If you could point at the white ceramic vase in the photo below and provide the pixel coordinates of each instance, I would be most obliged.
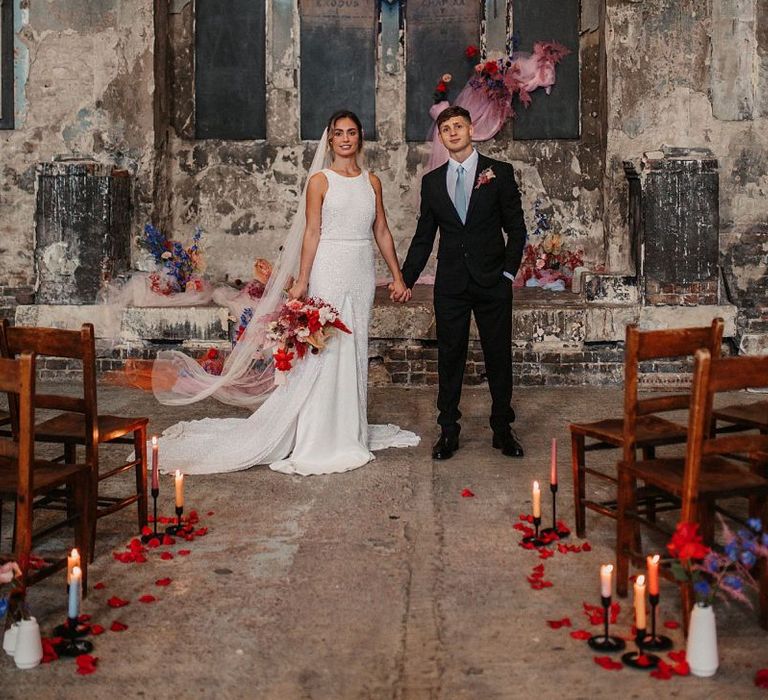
(701, 652)
(29, 646)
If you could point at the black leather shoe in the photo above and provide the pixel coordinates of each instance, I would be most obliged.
(445, 447)
(508, 444)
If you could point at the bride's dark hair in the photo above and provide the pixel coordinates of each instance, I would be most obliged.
(346, 114)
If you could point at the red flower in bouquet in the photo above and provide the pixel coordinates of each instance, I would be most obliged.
(687, 543)
(283, 359)
(471, 51)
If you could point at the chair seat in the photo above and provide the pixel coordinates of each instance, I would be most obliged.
(719, 476)
(651, 430)
(754, 415)
(47, 475)
(70, 427)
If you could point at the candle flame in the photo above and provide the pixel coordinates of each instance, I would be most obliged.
(154, 440)
(74, 554)
(535, 485)
(641, 580)
(655, 559)
(607, 568)
(178, 474)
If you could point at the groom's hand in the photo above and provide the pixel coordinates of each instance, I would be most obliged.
(399, 292)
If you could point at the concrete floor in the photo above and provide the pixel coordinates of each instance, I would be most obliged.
(380, 583)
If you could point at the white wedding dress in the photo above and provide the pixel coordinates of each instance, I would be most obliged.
(316, 422)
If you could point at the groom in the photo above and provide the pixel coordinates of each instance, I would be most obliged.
(470, 199)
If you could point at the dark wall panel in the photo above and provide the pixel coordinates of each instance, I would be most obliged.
(437, 33)
(557, 115)
(338, 62)
(230, 91)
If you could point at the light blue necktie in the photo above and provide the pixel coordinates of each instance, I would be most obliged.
(460, 196)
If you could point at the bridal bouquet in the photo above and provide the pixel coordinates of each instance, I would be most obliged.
(301, 326)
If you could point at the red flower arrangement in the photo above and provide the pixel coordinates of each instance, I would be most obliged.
(302, 327)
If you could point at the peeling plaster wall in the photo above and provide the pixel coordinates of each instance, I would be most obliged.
(243, 194)
(84, 89)
(673, 65)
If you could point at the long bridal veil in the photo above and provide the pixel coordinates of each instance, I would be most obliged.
(248, 374)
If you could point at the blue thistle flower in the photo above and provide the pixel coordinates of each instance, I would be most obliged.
(733, 582)
(702, 588)
(747, 558)
(731, 551)
(755, 525)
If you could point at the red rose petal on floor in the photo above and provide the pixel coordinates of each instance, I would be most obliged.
(140, 559)
(677, 656)
(83, 618)
(154, 542)
(562, 549)
(115, 602)
(166, 556)
(520, 527)
(151, 519)
(190, 538)
(99, 586)
(49, 649)
(546, 553)
(586, 547)
(203, 531)
(526, 518)
(164, 519)
(184, 552)
(147, 598)
(146, 530)
(539, 569)
(163, 582)
(671, 624)
(97, 629)
(581, 634)
(193, 516)
(761, 678)
(210, 513)
(557, 624)
(608, 663)
(167, 539)
(546, 584)
(118, 626)
(682, 668)
(662, 672)
(86, 660)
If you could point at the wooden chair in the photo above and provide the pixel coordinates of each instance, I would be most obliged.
(24, 478)
(80, 423)
(652, 431)
(714, 467)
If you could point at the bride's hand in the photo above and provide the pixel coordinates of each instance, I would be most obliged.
(399, 292)
(298, 290)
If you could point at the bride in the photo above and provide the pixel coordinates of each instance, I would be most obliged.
(316, 421)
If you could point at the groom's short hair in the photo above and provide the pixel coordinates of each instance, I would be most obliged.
(451, 112)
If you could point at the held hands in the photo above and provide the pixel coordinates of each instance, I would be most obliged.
(399, 292)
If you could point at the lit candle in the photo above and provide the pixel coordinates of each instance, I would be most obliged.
(155, 467)
(536, 500)
(179, 489)
(653, 574)
(606, 580)
(640, 603)
(73, 560)
(553, 464)
(73, 607)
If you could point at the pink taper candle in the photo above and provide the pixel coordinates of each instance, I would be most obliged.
(653, 574)
(553, 464)
(155, 466)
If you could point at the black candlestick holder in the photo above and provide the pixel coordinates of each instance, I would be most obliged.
(71, 633)
(534, 539)
(154, 534)
(175, 529)
(561, 534)
(639, 659)
(605, 642)
(656, 642)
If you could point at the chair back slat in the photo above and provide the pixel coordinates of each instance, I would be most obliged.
(60, 403)
(749, 443)
(661, 404)
(46, 342)
(744, 372)
(679, 342)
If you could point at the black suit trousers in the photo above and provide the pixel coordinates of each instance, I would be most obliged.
(492, 308)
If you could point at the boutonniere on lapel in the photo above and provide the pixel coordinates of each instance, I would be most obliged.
(485, 177)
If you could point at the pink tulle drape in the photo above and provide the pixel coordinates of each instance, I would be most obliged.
(491, 109)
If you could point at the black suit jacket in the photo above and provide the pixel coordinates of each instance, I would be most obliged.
(476, 249)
